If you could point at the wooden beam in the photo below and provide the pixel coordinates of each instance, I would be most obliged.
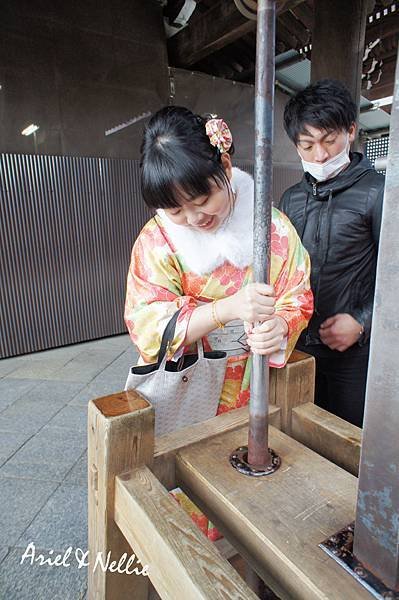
(383, 28)
(284, 5)
(276, 522)
(247, 76)
(381, 90)
(389, 65)
(304, 14)
(120, 437)
(245, 52)
(385, 51)
(295, 27)
(338, 42)
(167, 446)
(285, 35)
(182, 561)
(382, 84)
(214, 29)
(219, 26)
(328, 435)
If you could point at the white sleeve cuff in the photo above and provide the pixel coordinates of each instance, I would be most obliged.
(178, 354)
(277, 359)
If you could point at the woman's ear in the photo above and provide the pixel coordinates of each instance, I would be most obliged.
(227, 164)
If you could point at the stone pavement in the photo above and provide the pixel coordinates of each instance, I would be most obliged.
(43, 461)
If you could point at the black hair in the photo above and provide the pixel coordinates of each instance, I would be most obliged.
(326, 104)
(177, 157)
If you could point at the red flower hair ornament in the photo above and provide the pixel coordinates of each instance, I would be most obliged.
(219, 134)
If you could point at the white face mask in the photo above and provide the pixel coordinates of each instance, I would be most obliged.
(330, 168)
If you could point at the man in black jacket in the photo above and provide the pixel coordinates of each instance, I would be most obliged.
(336, 210)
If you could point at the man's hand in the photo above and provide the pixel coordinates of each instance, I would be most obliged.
(340, 332)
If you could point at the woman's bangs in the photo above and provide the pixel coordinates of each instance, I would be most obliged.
(193, 180)
(179, 182)
(159, 188)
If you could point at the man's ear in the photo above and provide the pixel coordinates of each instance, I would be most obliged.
(227, 164)
(352, 133)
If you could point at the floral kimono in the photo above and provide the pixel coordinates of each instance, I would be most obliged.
(174, 266)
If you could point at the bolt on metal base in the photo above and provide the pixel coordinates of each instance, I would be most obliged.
(340, 547)
(239, 460)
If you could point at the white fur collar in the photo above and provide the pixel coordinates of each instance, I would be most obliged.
(233, 241)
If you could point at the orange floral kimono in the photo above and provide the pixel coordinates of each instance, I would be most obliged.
(168, 271)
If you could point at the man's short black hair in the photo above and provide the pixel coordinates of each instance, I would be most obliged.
(326, 104)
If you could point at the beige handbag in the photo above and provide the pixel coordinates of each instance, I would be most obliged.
(182, 392)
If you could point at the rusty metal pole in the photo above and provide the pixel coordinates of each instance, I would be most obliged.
(258, 453)
(376, 537)
(257, 458)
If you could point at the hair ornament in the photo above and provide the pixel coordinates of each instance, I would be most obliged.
(219, 134)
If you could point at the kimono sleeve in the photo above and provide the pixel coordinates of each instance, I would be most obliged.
(153, 294)
(294, 298)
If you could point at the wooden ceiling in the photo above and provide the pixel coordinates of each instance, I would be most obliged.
(220, 41)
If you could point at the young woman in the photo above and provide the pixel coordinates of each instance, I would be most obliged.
(196, 253)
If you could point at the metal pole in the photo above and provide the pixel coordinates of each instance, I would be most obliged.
(258, 453)
(376, 538)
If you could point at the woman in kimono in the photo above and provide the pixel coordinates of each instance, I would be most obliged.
(196, 254)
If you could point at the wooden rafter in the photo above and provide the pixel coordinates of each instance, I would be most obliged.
(295, 27)
(381, 85)
(304, 13)
(383, 27)
(220, 41)
(219, 26)
(284, 34)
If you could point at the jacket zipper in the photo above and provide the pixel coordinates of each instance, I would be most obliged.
(317, 236)
(308, 339)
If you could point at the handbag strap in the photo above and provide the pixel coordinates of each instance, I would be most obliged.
(169, 334)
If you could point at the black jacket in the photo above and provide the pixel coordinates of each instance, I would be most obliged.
(339, 222)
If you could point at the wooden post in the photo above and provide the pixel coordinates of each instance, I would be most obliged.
(292, 386)
(338, 42)
(120, 437)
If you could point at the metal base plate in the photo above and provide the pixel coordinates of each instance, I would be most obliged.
(239, 460)
(340, 547)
